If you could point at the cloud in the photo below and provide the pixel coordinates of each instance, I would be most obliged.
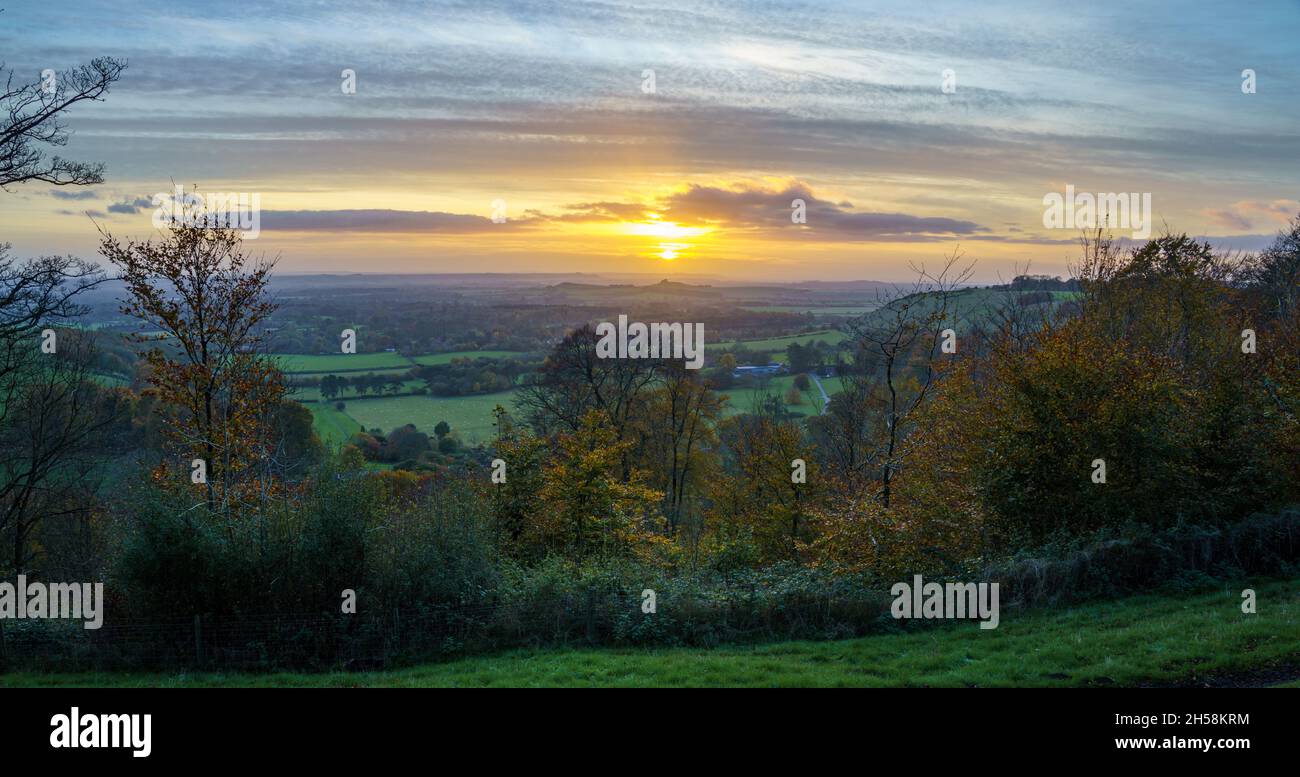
(131, 206)
(73, 194)
(604, 211)
(382, 220)
(1247, 214)
(768, 211)
(740, 208)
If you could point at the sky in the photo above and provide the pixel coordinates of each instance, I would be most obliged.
(670, 138)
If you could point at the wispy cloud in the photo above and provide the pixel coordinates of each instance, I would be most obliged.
(73, 194)
(1249, 214)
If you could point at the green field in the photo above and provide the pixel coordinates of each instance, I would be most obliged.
(781, 343)
(1186, 639)
(471, 417)
(298, 362)
(745, 399)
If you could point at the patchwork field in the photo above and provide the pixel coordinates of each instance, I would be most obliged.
(471, 416)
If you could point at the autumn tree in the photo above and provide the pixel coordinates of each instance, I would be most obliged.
(590, 508)
(207, 299)
(1272, 285)
(1149, 380)
(757, 492)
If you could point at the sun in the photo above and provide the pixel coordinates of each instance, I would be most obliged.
(670, 251)
(663, 229)
(668, 232)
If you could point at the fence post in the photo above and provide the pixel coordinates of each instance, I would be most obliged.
(198, 639)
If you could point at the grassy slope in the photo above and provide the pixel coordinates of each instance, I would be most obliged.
(332, 426)
(1146, 639)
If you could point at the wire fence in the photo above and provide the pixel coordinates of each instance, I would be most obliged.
(323, 641)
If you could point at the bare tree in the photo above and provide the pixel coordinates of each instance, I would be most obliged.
(53, 415)
(31, 118)
(1274, 274)
(898, 345)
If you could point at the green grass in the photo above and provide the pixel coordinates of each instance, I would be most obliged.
(298, 362)
(1161, 639)
(470, 416)
(332, 426)
(445, 358)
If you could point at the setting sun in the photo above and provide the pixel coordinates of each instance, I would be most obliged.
(670, 251)
(663, 229)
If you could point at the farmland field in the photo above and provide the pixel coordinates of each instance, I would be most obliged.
(296, 362)
(471, 417)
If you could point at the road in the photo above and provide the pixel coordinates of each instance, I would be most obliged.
(826, 398)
